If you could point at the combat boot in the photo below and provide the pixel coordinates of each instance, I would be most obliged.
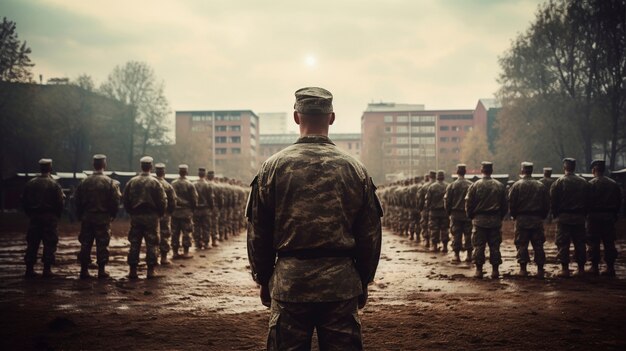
(610, 271)
(581, 270)
(457, 256)
(215, 243)
(151, 274)
(84, 271)
(445, 248)
(47, 270)
(564, 271)
(523, 272)
(412, 237)
(435, 247)
(186, 253)
(175, 254)
(479, 271)
(427, 243)
(495, 273)
(30, 271)
(594, 269)
(102, 273)
(164, 260)
(132, 274)
(541, 273)
(469, 256)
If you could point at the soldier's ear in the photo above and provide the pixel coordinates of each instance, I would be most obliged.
(296, 118)
(332, 119)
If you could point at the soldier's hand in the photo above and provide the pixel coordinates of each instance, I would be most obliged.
(363, 297)
(266, 300)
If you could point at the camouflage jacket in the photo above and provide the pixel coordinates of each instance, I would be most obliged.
(206, 198)
(485, 203)
(547, 182)
(529, 202)
(605, 199)
(315, 208)
(434, 199)
(186, 198)
(170, 194)
(41, 195)
(144, 194)
(97, 194)
(569, 197)
(421, 196)
(454, 200)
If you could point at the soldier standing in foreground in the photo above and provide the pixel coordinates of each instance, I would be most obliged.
(182, 222)
(486, 205)
(315, 208)
(42, 201)
(201, 215)
(529, 203)
(145, 201)
(165, 223)
(437, 217)
(569, 196)
(460, 224)
(605, 202)
(97, 198)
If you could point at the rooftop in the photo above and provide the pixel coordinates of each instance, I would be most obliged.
(393, 107)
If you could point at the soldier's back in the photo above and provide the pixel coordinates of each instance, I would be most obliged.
(97, 193)
(42, 194)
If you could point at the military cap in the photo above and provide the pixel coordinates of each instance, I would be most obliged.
(432, 172)
(441, 173)
(569, 160)
(99, 157)
(45, 161)
(183, 166)
(600, 164)
(547, 169)
(461, 166)
(146, 159)
(160, 166)
(313, 100)
(527, 165)
(486, 165)
(211, 173)
(201, 169)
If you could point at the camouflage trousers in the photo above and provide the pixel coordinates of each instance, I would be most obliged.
(461, 235)
(337, 323)
(567, 234)
(201, 229)
(42, 228)
(415, 222)
(146, 227)
(534, 236)
(165, 234)
(481, 237)
(439, 227)
(184, 227)
(601, 232)
(214, 230)
(94, 227)
(424, 226)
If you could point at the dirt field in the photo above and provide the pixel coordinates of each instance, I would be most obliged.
(420, 301)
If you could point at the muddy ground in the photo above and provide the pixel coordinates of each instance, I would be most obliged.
(419, 301)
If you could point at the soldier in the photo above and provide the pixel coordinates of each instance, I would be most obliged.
(438, 220)
(182, 217)
(547, 181)
(97, 199)
(605, 202)
(423, 210)
(202, 213)
(569, 196)
(460, 224)
(414, 213)
(42, 201)
(327, 239)
(214, 211)
(165, 222)
(485, 205)
(145, 201)
(528, 204)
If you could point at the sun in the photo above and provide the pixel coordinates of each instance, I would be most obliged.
(310, 61)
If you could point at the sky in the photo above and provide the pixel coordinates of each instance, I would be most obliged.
(254, 54)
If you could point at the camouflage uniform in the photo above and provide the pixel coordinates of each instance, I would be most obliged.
(202, 213)
(529, 203)
(547, 182)
(485, 205)
(97, 198)
(165, 222)
(145, 201)
(315, 208)
(438, 220)
(460, 224)
(414, 213)
(182, 222)
(569, 197)
(604, 204)
(421, 202)
(42, 201)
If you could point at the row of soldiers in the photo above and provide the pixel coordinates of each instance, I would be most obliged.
(472, 213)
(161, 214)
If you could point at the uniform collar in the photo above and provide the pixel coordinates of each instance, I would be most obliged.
(145, 174)
(314, 139)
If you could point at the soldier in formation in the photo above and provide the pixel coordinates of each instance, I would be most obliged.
(202, 213)
(529, 202)
(421, 202)
(437, 216)
(42, 201)
(460, 224)
(145, 201)
(165, 222)
(96, 199)
(182, 217)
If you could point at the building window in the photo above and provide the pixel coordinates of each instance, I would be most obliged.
(428, 140)
(235, 151)
(428, 118)
(387, 129)
(427, 129)
(388, 119)
(228, 117)
(402, 129)
(235, 128)
(220, 151)
(444, 128)
(201, 118)
(456, 128)
(456, 150)
(220, 128)
(415, 118)
(456, 139)
(467, 128)
(402, 140)
(402, 119)
(349, 146)
(220, 140)
(199, 128)
(456, 117)
(443, 139)
(235, 139)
